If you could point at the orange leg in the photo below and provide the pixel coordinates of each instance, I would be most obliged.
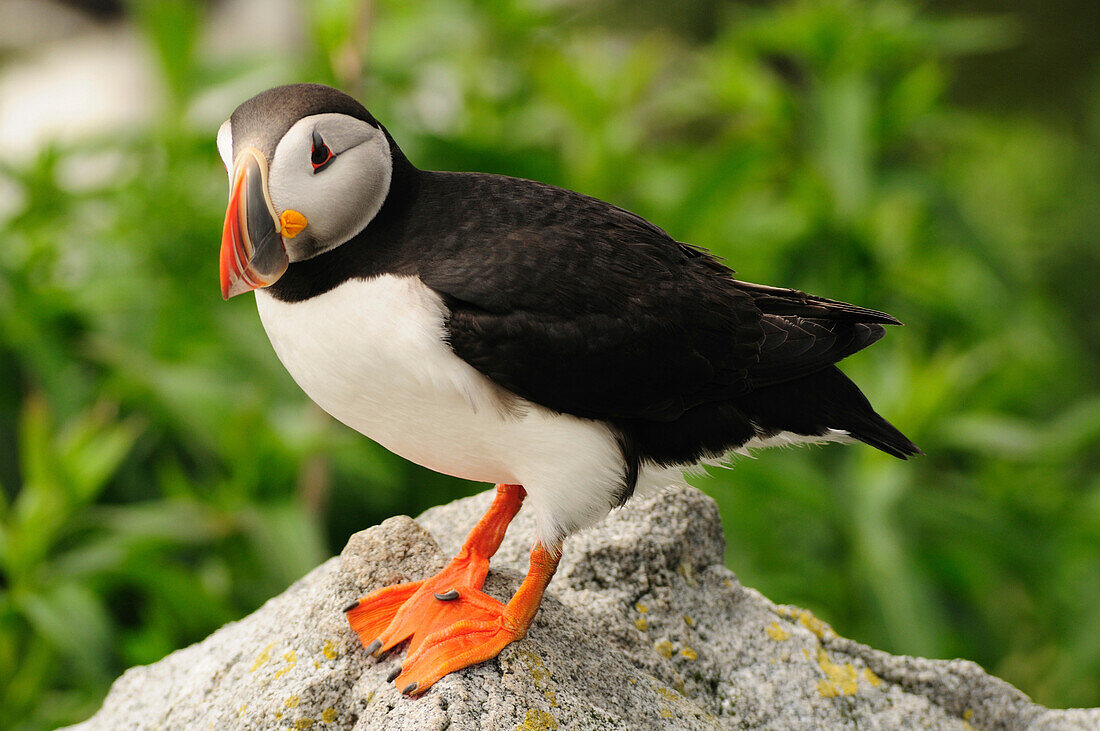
(450, 622)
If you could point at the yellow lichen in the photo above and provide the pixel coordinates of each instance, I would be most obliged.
(641, 607)
(688, 574)
(329, 651)
(537, 720)
(689, 620)
(641, 624)
(968, 714)
(292, 701)
(664, 647)
(278, 715)
(839, 679)
(776, 632)
(815, 625)
(873, 679)
(241, 710)
(539, 673)
(689, 653)
(328, 715)
(262, 658)
(291, 661)
(666, 692)
(303, 723)
(809, 621)
(534, 664)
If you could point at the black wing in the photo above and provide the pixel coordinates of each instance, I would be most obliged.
(590, 310)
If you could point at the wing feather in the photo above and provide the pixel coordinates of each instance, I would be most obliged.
(590, 310)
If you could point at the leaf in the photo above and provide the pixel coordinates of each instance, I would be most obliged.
(91, 448)
(73, 619)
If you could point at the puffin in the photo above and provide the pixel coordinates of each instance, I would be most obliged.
(508, 331)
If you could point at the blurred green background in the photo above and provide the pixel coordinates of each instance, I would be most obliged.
(162, 475)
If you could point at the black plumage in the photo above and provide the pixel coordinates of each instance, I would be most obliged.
(596, 336)
(590, 310)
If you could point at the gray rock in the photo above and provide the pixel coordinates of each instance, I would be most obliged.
(643, 627)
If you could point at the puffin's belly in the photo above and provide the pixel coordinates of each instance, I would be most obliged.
(372, 354)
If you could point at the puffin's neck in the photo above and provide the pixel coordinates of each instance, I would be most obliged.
(380, 248)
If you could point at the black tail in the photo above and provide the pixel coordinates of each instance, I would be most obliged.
(818, 402)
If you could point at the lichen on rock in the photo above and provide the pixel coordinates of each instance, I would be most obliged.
(643, 627)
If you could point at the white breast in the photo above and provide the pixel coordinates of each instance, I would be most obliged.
(372, 353)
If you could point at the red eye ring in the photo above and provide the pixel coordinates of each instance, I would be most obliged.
(320, 156)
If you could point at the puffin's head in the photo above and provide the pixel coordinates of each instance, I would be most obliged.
(309, 168)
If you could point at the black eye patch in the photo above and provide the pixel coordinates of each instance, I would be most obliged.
(320, 156)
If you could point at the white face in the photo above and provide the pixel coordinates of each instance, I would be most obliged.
(339, 197)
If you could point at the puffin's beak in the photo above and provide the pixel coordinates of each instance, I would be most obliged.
(253, 254)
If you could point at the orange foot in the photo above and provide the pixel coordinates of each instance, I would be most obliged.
(449, 621)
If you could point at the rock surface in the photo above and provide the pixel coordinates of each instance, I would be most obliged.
(643, 627)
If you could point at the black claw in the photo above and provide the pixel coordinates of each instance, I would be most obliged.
(447, 596)
(351, 606)
(393, 674)
(374, 647)
(409, 688)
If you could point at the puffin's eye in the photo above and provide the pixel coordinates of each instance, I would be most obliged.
(320, 156)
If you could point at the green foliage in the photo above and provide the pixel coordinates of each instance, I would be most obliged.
(163, 475)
